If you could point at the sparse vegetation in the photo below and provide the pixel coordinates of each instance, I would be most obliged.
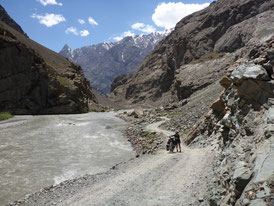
(104, 109)
(207, 57)
(185, 132)
(92, 110)
(101, 109)
(63, 81)
(5, 115)
(149, 135)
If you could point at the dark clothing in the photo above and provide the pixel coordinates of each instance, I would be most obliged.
(177, 139)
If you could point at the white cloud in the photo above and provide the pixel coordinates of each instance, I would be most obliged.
(81, 21)
(143, 28)
(92, 21)
(168, 14)
(117, 38)
(137, 26)
(51, 2)
(72, 30)
(49, 20)
(127, 33)
(84, 33)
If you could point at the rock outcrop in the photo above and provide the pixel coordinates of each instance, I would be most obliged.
(36, 80)
(5, 17)
(174, 69)
(103, 62)
(240, 128)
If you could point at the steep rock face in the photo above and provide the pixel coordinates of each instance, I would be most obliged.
(4, 17)
(36, 80)
(224, 27)
(239, 127)
(103, 62)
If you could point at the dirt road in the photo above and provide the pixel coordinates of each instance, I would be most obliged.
(162, 179)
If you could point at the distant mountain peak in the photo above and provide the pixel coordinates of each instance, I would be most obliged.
(103, 62)
(107, 45)
(67, 51)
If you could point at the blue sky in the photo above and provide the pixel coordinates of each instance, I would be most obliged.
(78, 23)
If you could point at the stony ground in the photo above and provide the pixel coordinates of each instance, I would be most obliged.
(162, 179)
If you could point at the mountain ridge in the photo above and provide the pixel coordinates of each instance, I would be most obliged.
(105, 61)
(225, 27)
(5, 17)
(36, 80)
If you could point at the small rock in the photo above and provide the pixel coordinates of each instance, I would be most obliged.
(269, 131)
(201, 199)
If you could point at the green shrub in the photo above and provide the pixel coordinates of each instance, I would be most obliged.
(5, 115)
(148, 135)
(185, 132)
(63, 81)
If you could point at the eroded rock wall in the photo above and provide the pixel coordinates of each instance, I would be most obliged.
(35, 80)
(240, 128)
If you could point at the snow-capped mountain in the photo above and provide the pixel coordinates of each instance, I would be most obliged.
(103, 62)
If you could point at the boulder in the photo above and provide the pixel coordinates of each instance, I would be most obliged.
(249, 71)
(225, 82)
(138, 112)
(258, 91)
(219, 105)
(241, 177)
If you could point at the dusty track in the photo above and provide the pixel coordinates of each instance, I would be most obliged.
(162, 179)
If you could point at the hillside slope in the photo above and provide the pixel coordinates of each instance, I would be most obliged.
(170, 73)
(36, 80)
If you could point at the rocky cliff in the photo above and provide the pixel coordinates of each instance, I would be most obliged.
(36, 80)
(177, 67)
(5, 17)
(103, 62)
(240, 127)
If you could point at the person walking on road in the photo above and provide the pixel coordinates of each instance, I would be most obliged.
(178, 141)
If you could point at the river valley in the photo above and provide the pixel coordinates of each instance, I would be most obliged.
(38, 151)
